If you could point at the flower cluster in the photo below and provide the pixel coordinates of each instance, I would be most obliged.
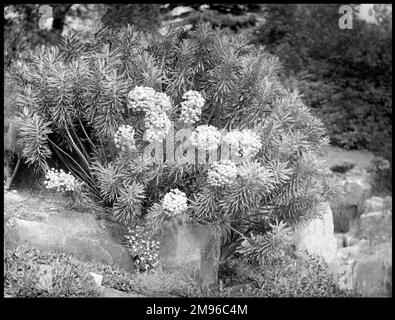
(158, 125)
(205, 137)
(155, 105)
(142, 99)
(191, 108)
(61, 181)
(124, 138)
(222, 173)
(174, 202)
(143, 250)
(246, 142)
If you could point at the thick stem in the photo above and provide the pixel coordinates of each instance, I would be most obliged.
(9, 181)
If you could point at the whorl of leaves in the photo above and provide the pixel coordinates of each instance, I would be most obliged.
(128, 205)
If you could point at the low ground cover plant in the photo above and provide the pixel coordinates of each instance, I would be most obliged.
(289, 276)
(286, 277)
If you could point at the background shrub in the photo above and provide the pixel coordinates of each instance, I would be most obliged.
(344, 75)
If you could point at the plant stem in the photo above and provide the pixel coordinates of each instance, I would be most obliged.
(9, 181)
(76, 148)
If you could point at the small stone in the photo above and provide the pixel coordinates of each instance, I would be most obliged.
(97, 278)
(45, 280)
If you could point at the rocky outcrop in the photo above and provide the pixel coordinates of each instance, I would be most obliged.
(366, 268)
(69, 231)
(364, 257)
(357, 172)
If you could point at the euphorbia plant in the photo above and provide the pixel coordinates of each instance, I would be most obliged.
(102, 103)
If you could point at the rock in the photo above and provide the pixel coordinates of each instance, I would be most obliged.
(343, 217)
(373, 276)
(45, 281)
(340, 239)
(317, 237)
(13, 196)
(343, 266)
(97, 278)
(388, 203)
(177, 11)
(376, 225)
(350, 204)
(365, 268)
(374, 204)
(357, 189)
(346, 240)
(194, 249)
(76, 233)
(350, 240)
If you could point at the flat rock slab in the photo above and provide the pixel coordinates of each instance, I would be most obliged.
(194, 249)
(71, 232)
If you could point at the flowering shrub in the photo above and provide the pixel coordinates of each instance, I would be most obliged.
(175, 202)
(222, 173)
(143, 250)
(243, 91)
(246, 142)
(191, 107)
(205, 137)
(61, 181)
(124, 138)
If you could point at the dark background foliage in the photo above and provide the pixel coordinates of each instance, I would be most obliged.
(345, 75)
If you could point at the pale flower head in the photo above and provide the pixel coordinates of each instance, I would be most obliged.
(205, 137)
(222, 173)
(175, 202)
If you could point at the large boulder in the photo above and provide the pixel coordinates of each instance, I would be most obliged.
(68, 231)
(317, 237)
(193, 249)
(366, 268)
